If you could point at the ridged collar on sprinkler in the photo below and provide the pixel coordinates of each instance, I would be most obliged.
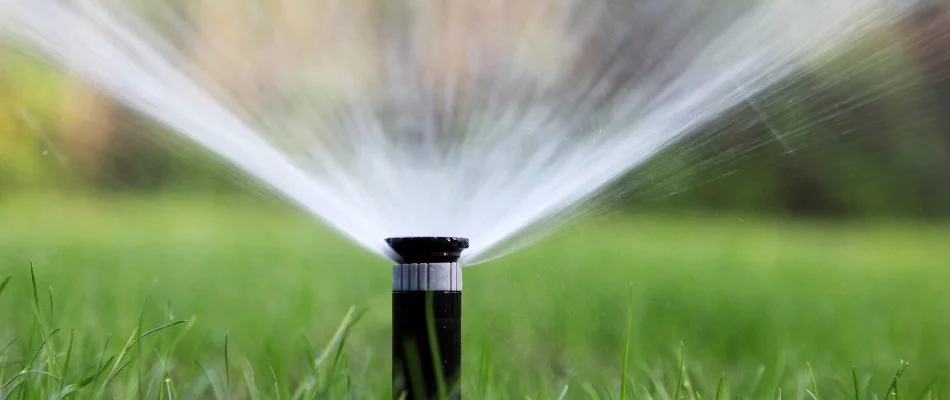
(428, 249)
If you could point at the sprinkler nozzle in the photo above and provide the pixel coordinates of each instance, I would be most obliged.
(428, 249)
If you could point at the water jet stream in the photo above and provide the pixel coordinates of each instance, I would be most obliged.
(465, 119)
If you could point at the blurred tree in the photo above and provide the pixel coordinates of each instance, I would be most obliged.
(927, 33)
(29, 104)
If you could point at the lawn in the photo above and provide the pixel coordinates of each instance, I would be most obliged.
(771, 308)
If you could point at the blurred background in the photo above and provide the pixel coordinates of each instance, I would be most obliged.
(856, 138)
(807, 225)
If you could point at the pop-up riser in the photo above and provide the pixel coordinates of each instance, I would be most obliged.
(427, 296)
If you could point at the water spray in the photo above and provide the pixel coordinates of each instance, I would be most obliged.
(517, 125)
(427, 316)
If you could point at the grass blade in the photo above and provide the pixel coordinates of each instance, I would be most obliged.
(682, 367)
(40, 349)
(249, 380)
(114, 374)
(50, 306)
(857, 384)
(134, 339)
(337, 344)
(626, 346)
(227, 370)
(563, 393)
(43, 326)
(69, 352)
(211, 381)
(590, 391)
(928, 389)
(273, 375)
(138, 350)
(102, 356)
(3, 284)
(12, 389)
(169, 391)
(36, 296)
(814, 383)
(720, 389)
(892, 391)
(158, 329)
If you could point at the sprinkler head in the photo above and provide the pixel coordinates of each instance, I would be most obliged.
(427, 315)
(428, 249)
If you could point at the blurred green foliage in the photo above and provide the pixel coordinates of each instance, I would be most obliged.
(27, 89)
(753, 299)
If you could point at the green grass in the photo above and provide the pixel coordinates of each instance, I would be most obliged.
(204, 298)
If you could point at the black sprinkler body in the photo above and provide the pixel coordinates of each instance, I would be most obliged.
(427, 295)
